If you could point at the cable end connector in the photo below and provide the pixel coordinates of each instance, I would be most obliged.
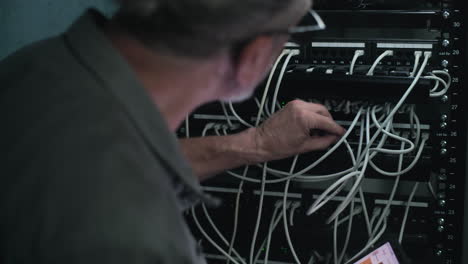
(359, 53)
(296, 204)
(426, 136)
(279, 204)
(295, 52)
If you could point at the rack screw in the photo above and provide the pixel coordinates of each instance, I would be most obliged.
(444, 63)
(445, 42)
(446, 14)
(443, 143)
(442, 203)
(441, 221)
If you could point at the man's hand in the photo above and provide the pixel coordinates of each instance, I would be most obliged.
(297, 128)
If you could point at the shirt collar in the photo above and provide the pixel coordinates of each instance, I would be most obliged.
(96, 52)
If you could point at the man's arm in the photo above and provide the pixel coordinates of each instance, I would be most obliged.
(214, 154)
(290, 131)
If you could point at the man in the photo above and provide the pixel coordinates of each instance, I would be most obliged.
(91, 169)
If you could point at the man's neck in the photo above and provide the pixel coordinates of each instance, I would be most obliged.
(176, 86)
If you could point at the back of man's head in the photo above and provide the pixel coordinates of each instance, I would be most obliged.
(201, 28)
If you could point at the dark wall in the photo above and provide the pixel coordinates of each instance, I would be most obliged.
(26, 21)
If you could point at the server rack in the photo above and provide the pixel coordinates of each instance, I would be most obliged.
(435, 230)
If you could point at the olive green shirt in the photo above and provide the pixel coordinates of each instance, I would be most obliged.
(90, 171)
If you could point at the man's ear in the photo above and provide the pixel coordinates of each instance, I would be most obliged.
(254, 61)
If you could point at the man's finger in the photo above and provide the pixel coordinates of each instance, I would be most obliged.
(326, 124)
(320, 109)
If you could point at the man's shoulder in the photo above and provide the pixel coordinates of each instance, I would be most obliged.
(41, 63)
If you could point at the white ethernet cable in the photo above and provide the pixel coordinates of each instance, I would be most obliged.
(231, 244)
(351, 154)
(341, 187)
(260, 111)
(345, 219)
(348, 232)
(278, 105)
(259, 215)
(324, 197)
(277, 220)
(339, 259)
(378, 60)
(271, 230)
(361, 193)
(382, 141)
(402, 139)
(446, 74)
(439, 80)
(449, 77)
(379, 109)
(236, 215)
(357, 54)
(228, 119)
(417, 58)
(350, 198)
(386, 209)
(215, 228)
(207, 127)
(418, 155)
(414, 119)
(361, 140)
(405, 217)
(266, 109)
(410, 167)
(431, 190)
(373, 241)
(321, 200)
(285, 219)
(267, 87)
(436, 86)
(240, 119)
(335, 240)
(197, 223)
(294, 207)
(364, 210)
(280, 79)
(388, 120)
(375, 214)
(354, 189)
(315, 255)
(358, 182)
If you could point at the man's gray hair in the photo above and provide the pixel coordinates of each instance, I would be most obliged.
(200, 28)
